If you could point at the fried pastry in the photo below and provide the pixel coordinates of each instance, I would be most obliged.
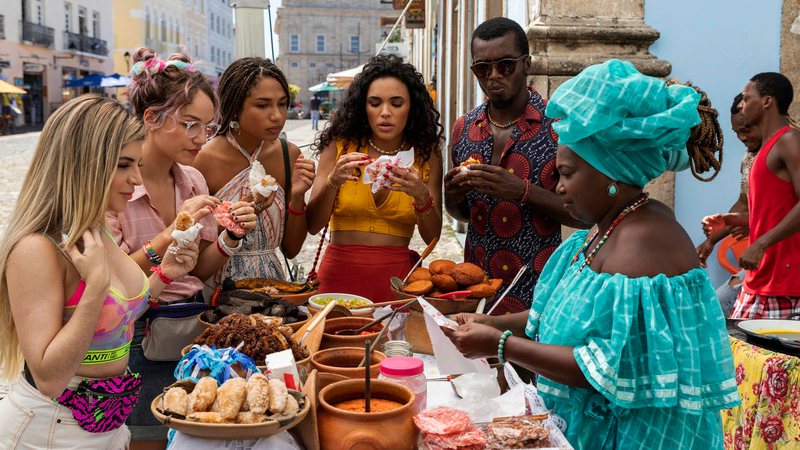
(246, 417)
(481, 290)
(421, 287)
(230, 397)
(444, 283)
(467, 274)
(469, 161)
(441, 266)
(258, 393)
(277, 396)
(203, 395)
(419, 273)
(175, 401)
(206, 417)
(496, 283)
(291, 406)
(183, 221)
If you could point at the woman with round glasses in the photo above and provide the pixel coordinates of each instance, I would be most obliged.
(179, 109)
(254, 98)
(386, 112)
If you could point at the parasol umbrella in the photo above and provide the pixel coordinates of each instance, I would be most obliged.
(99, 80)
(344, 78)
(8, 88)
(115, 80)
(324, 87)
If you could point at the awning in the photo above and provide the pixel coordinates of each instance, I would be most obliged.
(324, 87)
(344, 78)
(8, 88)
(99, 80)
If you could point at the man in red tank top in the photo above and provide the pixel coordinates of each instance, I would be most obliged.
(772, 284)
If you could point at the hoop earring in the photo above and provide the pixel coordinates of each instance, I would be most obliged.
(612, 190)
(235, 127)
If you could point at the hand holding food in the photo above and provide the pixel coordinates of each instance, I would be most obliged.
(185, 229)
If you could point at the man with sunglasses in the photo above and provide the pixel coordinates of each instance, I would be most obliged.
(508, 199)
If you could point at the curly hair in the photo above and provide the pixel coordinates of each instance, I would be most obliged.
(166, 88)
(237, 81)
(423, 129)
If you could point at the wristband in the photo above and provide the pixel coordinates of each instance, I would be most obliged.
(426, 206)
(151, 253)
(295, 212)
(164, 279)
(223, 247)
(233, 235)
(501, 346)
(527, 191)
(331, 183)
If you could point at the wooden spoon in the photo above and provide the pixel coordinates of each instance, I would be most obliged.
(310, 334)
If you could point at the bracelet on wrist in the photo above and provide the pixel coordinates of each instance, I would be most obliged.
(501, 346)
(332, 184)
(223, 247)
(425, 206)
(151, 254)
(294, 212)
(164, 279)
(527, 191)
(233, 235)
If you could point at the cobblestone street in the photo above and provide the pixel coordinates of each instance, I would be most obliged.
(16, 152)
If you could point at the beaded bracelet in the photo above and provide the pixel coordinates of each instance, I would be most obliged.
(501, 346)
(164, 279)
(295, 212)
(151, 253)
(425, 207)
(331, 183)
(527, 191)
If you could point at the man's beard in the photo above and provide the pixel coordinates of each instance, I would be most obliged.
(501, 103)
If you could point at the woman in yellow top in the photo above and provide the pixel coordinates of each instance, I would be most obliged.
(387, 111)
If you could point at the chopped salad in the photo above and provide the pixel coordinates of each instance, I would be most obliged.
(349, 303)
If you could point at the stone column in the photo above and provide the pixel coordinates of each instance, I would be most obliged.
(566, 36)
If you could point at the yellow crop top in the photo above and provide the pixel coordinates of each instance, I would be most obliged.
(355, 208)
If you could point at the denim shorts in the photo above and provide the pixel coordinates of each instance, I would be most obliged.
(156, 376)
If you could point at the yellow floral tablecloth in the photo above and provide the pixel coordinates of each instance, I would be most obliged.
(769, 384)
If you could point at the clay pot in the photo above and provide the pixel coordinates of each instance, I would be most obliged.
(332, 340)
(346, 430)
(344, 361)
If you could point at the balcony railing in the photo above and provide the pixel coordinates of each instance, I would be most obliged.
(86, 44)
(37, 34)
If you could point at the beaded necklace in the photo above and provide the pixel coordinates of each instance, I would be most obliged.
(386, 152)
(500, 125)
(637, 203)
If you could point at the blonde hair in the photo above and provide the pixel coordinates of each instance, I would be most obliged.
(65, 189)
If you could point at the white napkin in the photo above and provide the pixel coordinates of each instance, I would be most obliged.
(186, 237)
(448, 358)
(257, 174)
(375, 171)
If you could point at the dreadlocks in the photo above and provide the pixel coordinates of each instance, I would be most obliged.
(706, 138)
(237, 82)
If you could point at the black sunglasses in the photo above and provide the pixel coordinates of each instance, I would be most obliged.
(505, 67)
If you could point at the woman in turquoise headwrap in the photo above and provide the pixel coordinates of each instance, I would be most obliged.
(625, 331)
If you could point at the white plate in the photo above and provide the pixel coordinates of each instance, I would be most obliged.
(337, 296)
(772, 327)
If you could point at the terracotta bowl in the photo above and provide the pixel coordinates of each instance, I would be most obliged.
(346, 430)
(344, 361)
(332, 340)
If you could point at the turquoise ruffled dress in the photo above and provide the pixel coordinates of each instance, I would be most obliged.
(655, 350)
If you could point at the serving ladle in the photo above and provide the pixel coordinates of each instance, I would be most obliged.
(374, 322)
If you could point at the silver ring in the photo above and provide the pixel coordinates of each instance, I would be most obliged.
(174, 249)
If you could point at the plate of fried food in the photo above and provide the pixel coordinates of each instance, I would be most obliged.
(293, 292)
(449, 286)
(238, 409)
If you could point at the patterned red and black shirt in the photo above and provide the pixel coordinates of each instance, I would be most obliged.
(504, 235)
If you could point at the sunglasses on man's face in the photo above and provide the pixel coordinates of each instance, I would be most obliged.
(505, 67)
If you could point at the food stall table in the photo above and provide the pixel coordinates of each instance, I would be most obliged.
(769, 385)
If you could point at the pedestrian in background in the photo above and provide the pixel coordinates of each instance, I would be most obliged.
(315, 104)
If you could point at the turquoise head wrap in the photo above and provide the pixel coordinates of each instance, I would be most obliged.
(629, 126)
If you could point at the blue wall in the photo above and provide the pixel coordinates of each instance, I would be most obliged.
(718, 45)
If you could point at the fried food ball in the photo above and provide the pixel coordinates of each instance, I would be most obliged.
(203, 395)
(421, 287)
(419, 273)
(277, 396)
(441, 266)
(481, 290)
(183, 221)
(175, 401)
(444, 283)
(230, 397)
(206, 417)
(291, 406)
(496, 283)
(467, 274)
(246, 417)
(258, 393)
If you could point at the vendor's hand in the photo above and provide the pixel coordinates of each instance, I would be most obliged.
(703, 250)
(345, 165)
(302, 177)
(199, 206)
(495, 181)
(455, 185)
(245, 215)
(475, 340)
(178, 261)
(462, 318)
(408, 181)
(91, 262)
(752, 256)
(713, 224)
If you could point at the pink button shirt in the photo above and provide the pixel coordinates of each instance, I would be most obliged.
(141, 222)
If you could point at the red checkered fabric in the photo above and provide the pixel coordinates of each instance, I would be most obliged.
(754, 306)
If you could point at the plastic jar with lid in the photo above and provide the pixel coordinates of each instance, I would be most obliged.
(408, 371)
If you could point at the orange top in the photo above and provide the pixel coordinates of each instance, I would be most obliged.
(356, 210)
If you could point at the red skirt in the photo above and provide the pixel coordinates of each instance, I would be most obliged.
(363, 270)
